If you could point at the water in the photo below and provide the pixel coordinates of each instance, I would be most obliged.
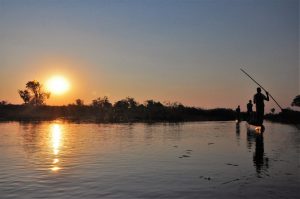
(188, 160)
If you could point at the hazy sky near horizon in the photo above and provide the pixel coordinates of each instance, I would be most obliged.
(168, 50)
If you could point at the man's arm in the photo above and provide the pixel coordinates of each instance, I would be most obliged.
(267, 98)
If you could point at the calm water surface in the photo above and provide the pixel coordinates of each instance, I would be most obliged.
(189, 160)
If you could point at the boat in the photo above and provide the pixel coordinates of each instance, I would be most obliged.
(258, 128)
(254, 124)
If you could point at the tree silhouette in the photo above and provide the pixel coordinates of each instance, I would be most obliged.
(296, 101)
(272, 110)
(79, 102)
(25, 95)
(34, 93)
(155, 110)
(131, 102)
(121, 110)
(102, 109)
(3, 102)
(102, 103)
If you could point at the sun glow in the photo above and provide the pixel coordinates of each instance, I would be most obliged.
(57, 85)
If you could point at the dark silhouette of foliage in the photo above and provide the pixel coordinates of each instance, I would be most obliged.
(121, 110)
(3, 102)
(102, 109)
(25, 95)
(79, 102)
(102, 103)
(132, 103)
(155, 110)
(124, 110)
(285, 116)
(296, 101)
(34, 93)
(272, 110)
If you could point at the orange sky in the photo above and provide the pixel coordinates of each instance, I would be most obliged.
(187, 51)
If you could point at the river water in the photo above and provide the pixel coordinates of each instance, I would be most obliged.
(187, 160)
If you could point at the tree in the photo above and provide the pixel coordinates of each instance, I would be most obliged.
(34, 93)
(79, 102)
(102, 108)
(121, 105)
(102, 103)
(296, 101)
(151, 104)
(3, 102)
(131, 102)
(25, 95)
(155, 110)
(272, 110)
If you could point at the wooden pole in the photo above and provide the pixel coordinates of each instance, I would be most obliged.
(261, 87)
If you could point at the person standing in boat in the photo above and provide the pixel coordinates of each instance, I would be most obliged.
(249, 110)
(238, 113)
(258, 100)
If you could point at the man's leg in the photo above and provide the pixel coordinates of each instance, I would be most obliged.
(260, 116)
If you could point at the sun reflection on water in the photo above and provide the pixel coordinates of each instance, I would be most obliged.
(56, 139)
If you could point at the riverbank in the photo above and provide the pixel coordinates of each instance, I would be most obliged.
(141, 113)
(286, 116)
(115, 114)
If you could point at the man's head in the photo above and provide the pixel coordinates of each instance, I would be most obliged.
(250, 101)
(258, 90)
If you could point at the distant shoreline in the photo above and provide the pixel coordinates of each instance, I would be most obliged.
(141, 113)
(138, 114)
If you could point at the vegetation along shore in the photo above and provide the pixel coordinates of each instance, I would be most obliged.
(125, 110)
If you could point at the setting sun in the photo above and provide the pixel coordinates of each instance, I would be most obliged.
(57, 85)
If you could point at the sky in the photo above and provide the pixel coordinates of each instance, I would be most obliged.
(187, 51)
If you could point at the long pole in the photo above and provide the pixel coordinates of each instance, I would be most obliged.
(261, 87)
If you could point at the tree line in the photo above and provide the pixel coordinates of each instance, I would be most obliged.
(124, 110)
(102, 110)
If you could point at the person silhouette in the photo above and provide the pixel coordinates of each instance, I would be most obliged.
(238, 112)
(249, 110)
(258, 100)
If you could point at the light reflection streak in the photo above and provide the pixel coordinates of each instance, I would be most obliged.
(55, 168)
(56, 137)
